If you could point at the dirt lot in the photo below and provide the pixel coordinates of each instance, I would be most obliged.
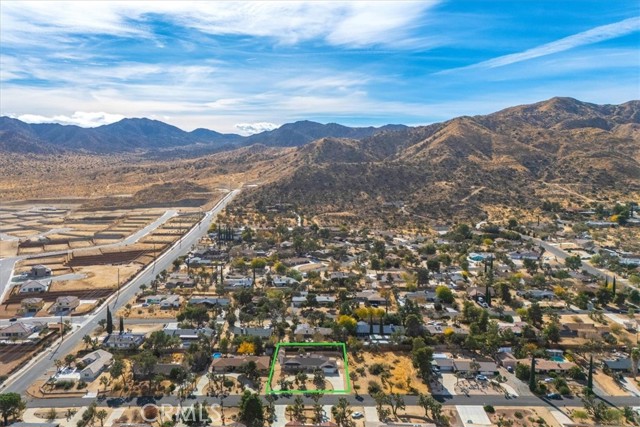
(97, 277)
(403, 375)
(608, 385)
(524, 416)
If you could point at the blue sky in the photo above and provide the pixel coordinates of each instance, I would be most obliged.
(246, 67)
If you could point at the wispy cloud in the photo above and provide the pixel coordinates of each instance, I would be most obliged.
(337, 23)
(594, 35)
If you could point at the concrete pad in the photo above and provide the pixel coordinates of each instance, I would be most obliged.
(473, 415)
(280, 416)
(117, 413)
(449, 383)
(509, 389)
(371, 414)
(561, 417)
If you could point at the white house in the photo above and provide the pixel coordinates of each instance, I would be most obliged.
(35, 286)
(123, 341)
(172, 301)
(282, 281)
(95, 363)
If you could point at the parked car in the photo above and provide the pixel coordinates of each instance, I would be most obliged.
(510, 369)
(357, 415)
(554, 396)
(481, 378)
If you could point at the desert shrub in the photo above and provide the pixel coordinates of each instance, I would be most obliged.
(377, 368)
(489, 409)
(374, 387)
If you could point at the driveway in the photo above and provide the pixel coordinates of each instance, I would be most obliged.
(281, 416)
(449, 383)
(472, 415)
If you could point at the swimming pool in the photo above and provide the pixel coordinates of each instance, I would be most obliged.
(558, 359)
(217, 355)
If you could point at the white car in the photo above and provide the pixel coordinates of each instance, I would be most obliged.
(357, 415)
(481, 378)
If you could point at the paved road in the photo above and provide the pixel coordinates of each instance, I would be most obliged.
(7, 264)
(39, 365)
(561, 254)
(332, 399)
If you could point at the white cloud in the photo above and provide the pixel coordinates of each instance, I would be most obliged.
(594, 35)
(79, 118)
(338, 23)
(253, 128)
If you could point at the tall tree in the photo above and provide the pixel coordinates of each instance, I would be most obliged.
(533, 385)
(109, 322)
(590, 376)
(121, 325)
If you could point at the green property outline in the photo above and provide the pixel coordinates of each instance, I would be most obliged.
(269, 390)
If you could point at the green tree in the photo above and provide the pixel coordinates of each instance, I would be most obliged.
(444, 294)
(590, 374)
(251, 411)
(573, 262)
(109, 322)
(11, 404)
(533, 385)
(121, 325)
(421, 358)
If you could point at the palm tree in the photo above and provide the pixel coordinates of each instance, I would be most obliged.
(101, 415)
(58, 364)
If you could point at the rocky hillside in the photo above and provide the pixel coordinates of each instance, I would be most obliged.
(459, 166)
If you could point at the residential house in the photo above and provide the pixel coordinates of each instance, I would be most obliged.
(305, 331)
(172, 301)
(370, 297)
(620, 364)
(94, 364)
(19, 331)
(32, 286)
(234, 364)
(210, 301)
(544, 366)
(154, 299)
(283, 281)
(238, 282)
(422, 296)
(187, 336)
(66, 303)
(465, 366)
(507, 360)
(124, 341)
(584, 330)
(263, 333)
(31, 305)
(40, 271)
(309, 363)
(179, 280)
(517, 255)
(364, 330)
(443, 365)
(539, 294)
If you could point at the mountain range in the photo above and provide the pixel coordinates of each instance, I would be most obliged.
(562, 149)
(141, 134)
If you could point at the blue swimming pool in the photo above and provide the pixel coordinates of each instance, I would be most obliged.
(558, 359)
(217, 355)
